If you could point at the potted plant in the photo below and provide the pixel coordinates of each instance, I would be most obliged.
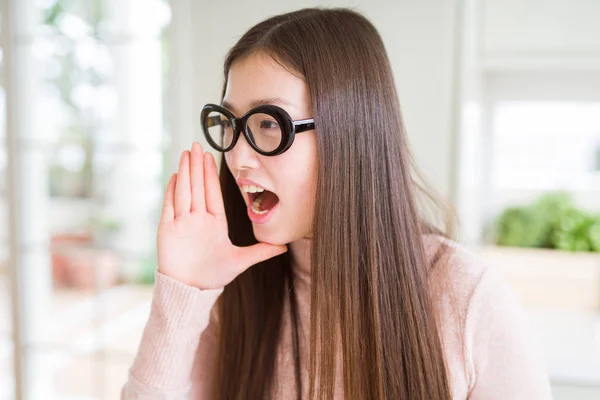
(549, 252)
(85, 260)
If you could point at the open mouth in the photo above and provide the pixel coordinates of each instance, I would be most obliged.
(262, 200)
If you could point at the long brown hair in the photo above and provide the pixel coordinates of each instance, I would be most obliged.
(368, 264)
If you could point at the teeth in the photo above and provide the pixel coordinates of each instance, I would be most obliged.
(254, 210)
(252, 189)
(258, 201)
(256, 206)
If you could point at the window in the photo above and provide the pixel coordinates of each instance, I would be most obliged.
(551, 145)
(92, 138)
(542, 134)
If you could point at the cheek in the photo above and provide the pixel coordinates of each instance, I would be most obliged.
(299, 175)
(226, 158)
(299, 196)
(306, 188)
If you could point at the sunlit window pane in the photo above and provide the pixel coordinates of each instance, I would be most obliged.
(546, 145)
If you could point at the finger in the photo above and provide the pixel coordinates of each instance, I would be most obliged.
(250, 255)
(197, 178)
(168, 210)
(213, 193)
(183, 195)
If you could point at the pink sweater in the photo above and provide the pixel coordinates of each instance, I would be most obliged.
(488, 345)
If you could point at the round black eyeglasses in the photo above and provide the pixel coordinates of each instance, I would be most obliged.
(268, 129)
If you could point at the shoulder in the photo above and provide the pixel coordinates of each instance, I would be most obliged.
(460, 277)
(454, 272)
(481, 319)
(464, 286)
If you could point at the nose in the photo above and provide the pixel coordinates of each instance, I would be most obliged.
(242, 156)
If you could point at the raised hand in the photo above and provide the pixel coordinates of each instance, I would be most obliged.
(192, 240)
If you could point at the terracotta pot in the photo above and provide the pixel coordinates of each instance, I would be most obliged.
(76, 264)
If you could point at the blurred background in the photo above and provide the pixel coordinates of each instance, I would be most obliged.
(501, 99)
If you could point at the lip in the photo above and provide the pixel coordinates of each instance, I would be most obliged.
(261, 218)
(243, 181)
(255, 218)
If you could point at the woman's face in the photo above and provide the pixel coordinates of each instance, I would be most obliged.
(283, 213)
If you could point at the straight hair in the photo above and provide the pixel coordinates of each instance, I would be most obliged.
(368, 262)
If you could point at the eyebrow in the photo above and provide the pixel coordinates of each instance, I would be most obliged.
(260, 102)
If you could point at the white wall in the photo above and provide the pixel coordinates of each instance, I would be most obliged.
(541, 28)
(540, 35)
(442, 52)
(547, 48)
(418, 36)
(542, 50)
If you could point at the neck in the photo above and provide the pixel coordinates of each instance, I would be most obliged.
(300, 254)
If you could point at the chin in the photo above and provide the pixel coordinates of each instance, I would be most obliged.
(272, 236)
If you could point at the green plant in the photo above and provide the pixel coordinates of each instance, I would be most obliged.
(105, 224)
(594, 234)
(521, 227)
(550, 208)
(104, 230)
(574, 232)
(552, 221)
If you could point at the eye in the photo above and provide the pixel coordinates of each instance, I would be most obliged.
(225, 123)
(269, 124)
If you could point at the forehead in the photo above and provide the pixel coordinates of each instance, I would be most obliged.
(257, 78)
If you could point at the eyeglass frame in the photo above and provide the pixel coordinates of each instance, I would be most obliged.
(289, 127)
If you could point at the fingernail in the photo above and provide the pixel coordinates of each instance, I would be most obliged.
(195, 147)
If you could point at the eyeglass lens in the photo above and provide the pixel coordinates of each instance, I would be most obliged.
(263, 130)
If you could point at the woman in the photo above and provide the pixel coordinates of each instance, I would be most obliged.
(307, 271)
